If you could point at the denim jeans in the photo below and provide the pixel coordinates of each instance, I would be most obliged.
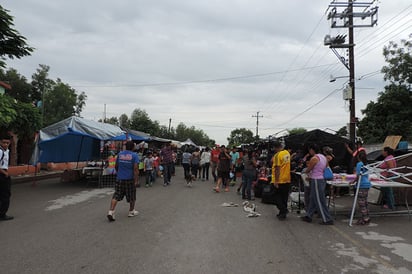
(318, 200)
(167, 173)
(248, 176)
(205, 171)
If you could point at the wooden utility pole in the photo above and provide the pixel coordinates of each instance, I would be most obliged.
(257, 122)
(342, 15)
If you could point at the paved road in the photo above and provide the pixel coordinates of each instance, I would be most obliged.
(62, 228)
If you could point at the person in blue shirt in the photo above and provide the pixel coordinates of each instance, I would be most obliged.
(365, 185)
(127, 178)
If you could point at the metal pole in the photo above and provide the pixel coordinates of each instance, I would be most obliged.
(352, 110)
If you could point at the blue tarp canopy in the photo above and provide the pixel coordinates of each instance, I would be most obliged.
(133, 135)
(73, 140)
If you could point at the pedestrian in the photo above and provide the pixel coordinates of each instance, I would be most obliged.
(156, 165)
(281, 179)
(214, 159)
(223, 169)
(234, 154)
(186, 159)
(148, 169)
(317, 202)
(174, 161)
(388, 163)
(205, 158)
(328, 152)
(166, 154)
(364, 187)
(248, 174)
(127, 179)
(5, 180)
(195, 162)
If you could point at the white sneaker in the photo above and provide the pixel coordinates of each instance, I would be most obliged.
(110, 216)
(133, 213)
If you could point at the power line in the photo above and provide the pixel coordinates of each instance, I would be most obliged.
(312, 106)
(203, 81)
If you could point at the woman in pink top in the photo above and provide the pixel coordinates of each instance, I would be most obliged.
(388, 163)
(317, 202)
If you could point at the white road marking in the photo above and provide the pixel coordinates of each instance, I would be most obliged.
(78, 198)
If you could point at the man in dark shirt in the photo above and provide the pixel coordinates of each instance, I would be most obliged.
(223, 169)
(166, 155)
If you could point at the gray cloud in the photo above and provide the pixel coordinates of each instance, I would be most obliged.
(122, 53)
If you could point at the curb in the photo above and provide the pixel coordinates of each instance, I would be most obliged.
(34, 178)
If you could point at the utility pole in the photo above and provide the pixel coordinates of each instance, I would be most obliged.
(104, 114)
(345, 19)
(352, 110)
(257, 122)
(170, 123)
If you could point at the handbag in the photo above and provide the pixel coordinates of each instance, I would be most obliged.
(327, 173)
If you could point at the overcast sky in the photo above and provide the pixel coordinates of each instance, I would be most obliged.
(209, 64)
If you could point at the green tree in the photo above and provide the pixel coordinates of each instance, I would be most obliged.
(240, 136)
(140, 120)
(21, 89)
(21, 118)
(391, 114)
(164, 132)
(8, 113)
(12, 44)
(297, 130)
(124, 121)
(111, 120)
(399, 68)
(196, 135)
(28, 120)
(342, 132)
(58, 100)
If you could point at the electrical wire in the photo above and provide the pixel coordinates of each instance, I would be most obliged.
(313, 105)
(203, 81)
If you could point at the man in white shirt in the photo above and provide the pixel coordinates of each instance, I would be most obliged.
(5, 181)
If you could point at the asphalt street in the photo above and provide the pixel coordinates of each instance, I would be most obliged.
(62, 228)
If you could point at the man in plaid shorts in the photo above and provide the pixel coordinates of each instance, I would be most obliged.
(127, 168)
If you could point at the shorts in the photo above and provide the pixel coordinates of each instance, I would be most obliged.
(223, 174)
(125, 188)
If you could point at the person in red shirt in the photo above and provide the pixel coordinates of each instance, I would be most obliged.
(214, 159)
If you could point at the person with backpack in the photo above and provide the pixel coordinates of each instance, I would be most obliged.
(5, 180)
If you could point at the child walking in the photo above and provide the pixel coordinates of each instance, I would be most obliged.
(148, 169)
(364, 187)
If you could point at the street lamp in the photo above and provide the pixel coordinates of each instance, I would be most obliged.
(333, 78)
